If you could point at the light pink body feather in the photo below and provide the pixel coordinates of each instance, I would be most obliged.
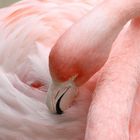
(28, 30)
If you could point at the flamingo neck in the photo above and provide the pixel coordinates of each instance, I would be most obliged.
(85, 47)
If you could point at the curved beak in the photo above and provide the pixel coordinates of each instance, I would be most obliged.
(60, 97)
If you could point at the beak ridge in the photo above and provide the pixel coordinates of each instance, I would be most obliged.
(60, 97)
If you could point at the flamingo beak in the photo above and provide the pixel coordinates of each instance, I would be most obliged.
(61, 96)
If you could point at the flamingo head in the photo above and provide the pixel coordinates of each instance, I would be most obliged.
(69, 68)
(61, 95)
(65, 74)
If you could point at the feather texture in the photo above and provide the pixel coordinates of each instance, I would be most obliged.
(28, 30)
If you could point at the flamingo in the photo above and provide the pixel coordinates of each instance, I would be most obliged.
(71, 70)
(116, 102)
(29, 29)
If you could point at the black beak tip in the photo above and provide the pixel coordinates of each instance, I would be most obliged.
(58, 109)
(59, 112)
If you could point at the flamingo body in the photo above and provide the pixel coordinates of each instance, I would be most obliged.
(28, 30)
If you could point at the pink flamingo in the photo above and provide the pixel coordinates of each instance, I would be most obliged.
(29, 29)
(82, 51)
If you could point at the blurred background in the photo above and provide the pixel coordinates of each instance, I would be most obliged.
(4, 3)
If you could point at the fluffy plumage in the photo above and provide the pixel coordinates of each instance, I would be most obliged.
(28, 30)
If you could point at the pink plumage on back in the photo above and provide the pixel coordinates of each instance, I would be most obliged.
(27, 24)
(28, 29)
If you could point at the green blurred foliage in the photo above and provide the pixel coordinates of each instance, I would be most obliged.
(4, 3)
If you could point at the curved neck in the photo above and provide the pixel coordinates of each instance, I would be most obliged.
(87, 44)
